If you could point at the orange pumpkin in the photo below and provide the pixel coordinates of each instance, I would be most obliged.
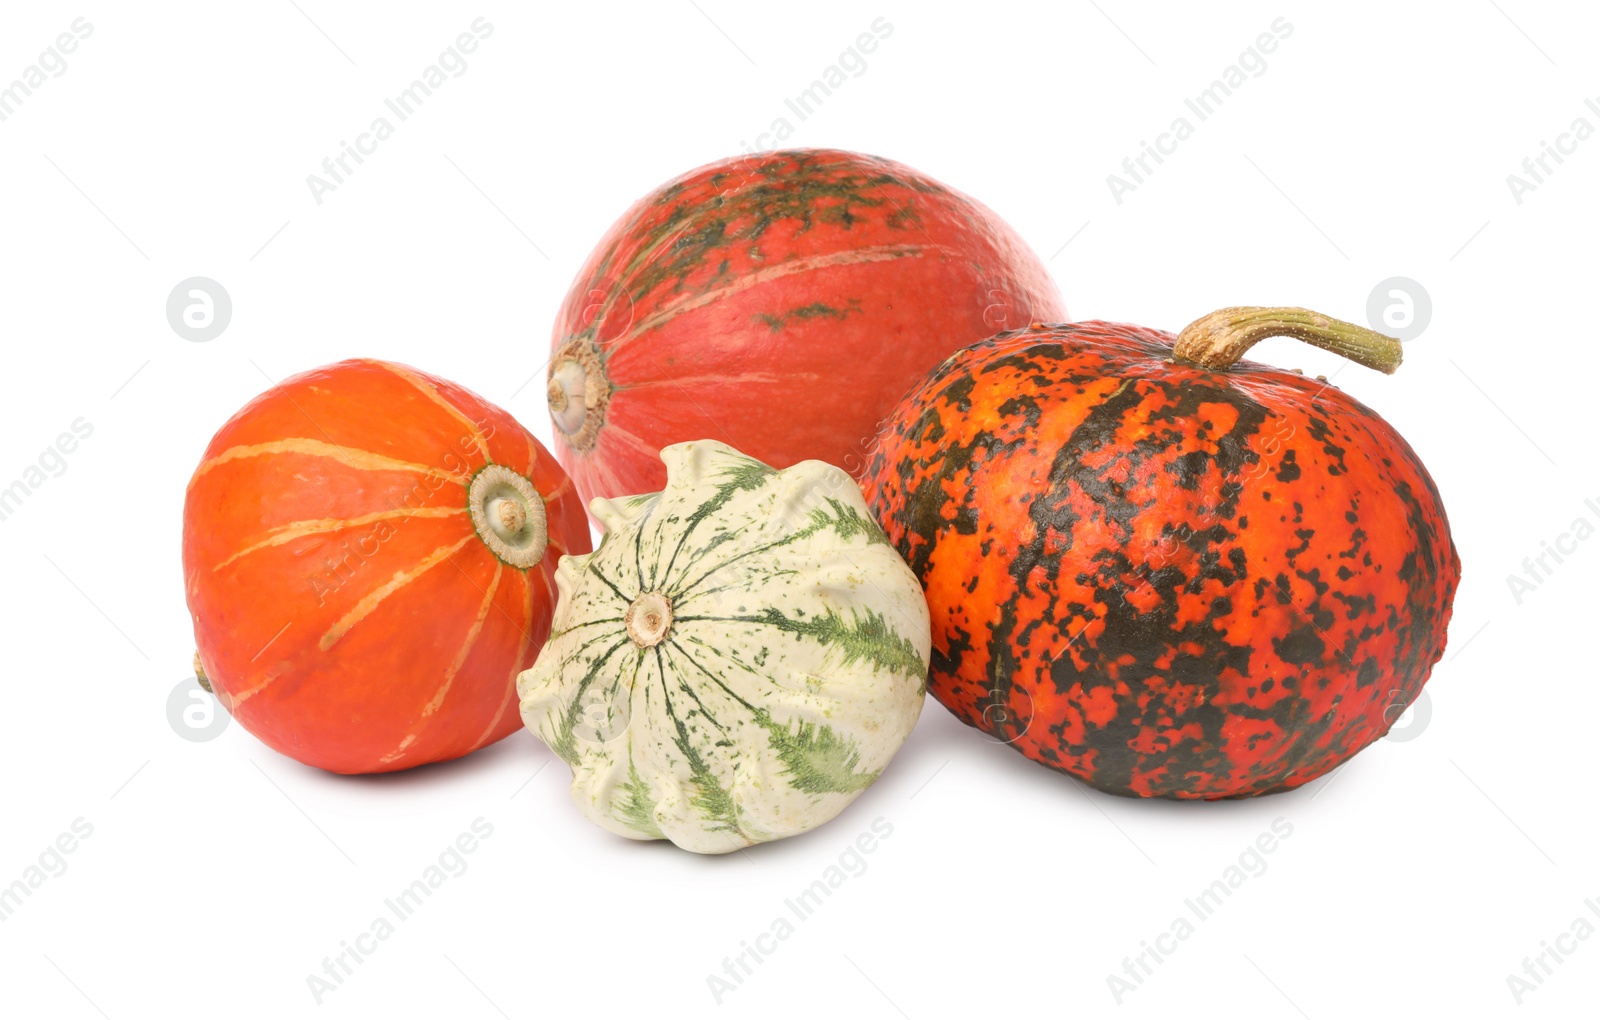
(368, 554)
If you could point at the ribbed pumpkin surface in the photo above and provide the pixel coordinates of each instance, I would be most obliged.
(779, 303)
(346, 610)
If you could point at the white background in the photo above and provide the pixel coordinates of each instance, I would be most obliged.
(219, 875)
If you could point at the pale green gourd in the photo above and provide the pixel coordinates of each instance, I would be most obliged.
(738, 660)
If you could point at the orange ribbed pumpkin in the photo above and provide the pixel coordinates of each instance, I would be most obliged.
(368, 555)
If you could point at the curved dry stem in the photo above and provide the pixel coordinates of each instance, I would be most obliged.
(1216, 341)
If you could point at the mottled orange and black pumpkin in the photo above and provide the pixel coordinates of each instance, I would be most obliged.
(1161, 569)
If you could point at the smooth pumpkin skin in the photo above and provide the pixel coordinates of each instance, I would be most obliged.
(345, 609)
(781, 303)
(1164, 580)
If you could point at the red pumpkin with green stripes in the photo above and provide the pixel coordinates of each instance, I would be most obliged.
(780, 303)
(368, 555)
(1159, 568)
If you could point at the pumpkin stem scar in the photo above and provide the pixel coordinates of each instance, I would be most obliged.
(1217, 340)
(649, 619)
(578, 392)
(509, 516)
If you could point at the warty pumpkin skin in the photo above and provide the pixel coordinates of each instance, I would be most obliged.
(1165, 579)
(739, 659)
(780, 303)
(368, 553)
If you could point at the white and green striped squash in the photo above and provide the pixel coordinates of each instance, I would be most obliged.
(737, 661)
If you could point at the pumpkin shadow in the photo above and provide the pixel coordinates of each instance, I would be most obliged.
(520, 753)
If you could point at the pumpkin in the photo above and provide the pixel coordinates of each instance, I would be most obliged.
(737, 661)
(1161, 569)
(730, 298)
(367, 552)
